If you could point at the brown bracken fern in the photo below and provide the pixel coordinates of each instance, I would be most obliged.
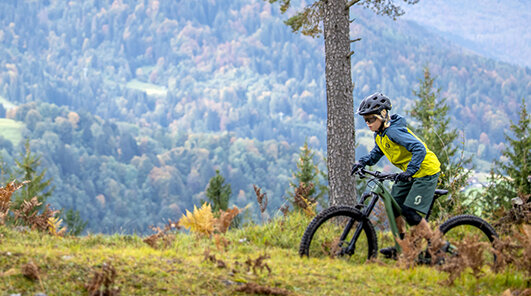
(31, 271)
(258, 263)
(5, 198)
(302, 200)
(515, 250)
(225, 219)
(29, 215)
(163, 237)
(470, 255)
(102, 282)
(202, 221)
(262, 199)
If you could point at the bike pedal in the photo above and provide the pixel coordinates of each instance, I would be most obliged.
(389, 253)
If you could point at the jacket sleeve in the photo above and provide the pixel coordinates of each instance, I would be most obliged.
(403, 137)
(373, 157)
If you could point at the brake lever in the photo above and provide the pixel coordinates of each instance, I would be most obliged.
(359, 172)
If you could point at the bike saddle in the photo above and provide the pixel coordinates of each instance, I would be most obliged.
(440, 192)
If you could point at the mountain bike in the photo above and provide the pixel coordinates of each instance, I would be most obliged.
(347, 232)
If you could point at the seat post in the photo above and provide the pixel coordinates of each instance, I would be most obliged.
(436, 194)
(429, 210)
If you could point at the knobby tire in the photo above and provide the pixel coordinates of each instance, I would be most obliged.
(478, 226)
(319, 222)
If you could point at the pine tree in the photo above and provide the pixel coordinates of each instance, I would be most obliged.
(38, 186)
(218, 193)
(431, 114)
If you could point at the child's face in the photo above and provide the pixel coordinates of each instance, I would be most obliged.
(373, 122)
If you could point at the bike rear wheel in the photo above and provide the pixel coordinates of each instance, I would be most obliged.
(474, 231)
(323, 236)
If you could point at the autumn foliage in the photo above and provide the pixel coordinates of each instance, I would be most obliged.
(202, 221)
(28, 214)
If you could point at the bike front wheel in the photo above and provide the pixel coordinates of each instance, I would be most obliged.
(461, 230)
(331, 233)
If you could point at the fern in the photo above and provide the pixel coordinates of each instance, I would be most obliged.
(302, 200)
(222, 223)
(5, 198)
(201, 221)
(54, 226)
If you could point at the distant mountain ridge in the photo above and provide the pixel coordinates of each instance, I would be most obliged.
(492, 28)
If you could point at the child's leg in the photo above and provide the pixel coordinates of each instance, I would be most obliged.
(420, 196)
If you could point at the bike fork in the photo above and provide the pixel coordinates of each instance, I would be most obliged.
(351, 248)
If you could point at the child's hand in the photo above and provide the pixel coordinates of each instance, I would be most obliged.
(357, 166)
(404, 177)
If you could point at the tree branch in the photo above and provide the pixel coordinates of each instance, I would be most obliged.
(355, 40)
(351, 2)
(350, 54)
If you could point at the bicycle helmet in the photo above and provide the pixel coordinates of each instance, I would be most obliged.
(374, 104)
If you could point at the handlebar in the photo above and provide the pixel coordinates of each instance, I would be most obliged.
(377, 175)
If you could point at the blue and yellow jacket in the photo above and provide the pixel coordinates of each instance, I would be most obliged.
(405, 150)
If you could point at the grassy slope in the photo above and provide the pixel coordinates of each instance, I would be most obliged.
(148, 88)
(7, 104)
(67, 265)
(11, 130)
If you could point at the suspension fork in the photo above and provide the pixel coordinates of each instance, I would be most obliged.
(351, 248)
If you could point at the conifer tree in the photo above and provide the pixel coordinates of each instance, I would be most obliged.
(27, 170)
(218, 193)
(75, 224)
(431, 114)
(308, 175)
(511, 174)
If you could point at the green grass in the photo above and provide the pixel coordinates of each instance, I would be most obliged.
(67, 265)
(11, 130)
(148, 88)
(7, 104)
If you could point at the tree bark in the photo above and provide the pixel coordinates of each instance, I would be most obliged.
(340, 104)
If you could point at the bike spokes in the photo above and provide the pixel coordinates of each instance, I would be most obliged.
(333, 238)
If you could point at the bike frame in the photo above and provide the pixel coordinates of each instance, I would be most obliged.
(377, 190)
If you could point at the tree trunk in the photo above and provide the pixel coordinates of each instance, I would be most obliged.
(340, 104)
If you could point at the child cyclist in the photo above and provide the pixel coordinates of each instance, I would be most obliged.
(415, 185)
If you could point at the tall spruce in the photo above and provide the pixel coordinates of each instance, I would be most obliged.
(335, 17)
(511, 174)
(218, 193)
(433, 127)
(28, 170)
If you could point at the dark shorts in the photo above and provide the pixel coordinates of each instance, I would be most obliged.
(417, 194)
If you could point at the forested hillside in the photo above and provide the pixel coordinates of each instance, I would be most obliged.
(492, 28)
(133, 105)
